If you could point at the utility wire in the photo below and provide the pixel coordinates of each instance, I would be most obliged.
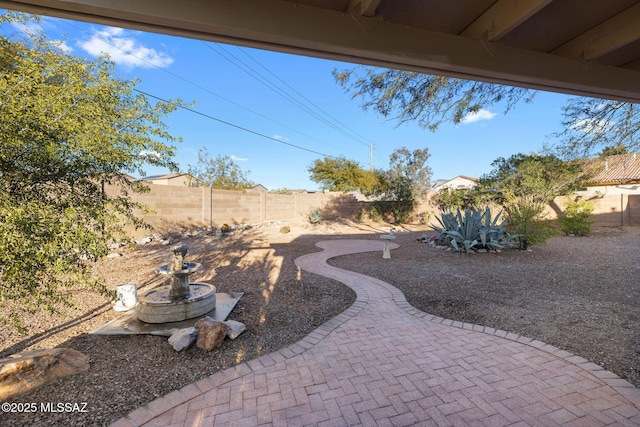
(274, 88)
(363, 140)
(177, 76)
(255, 74)
(233, 125)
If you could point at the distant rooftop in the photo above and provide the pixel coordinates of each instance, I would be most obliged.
(618, 169)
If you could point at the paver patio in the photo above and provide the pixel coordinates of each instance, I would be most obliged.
(382, 362)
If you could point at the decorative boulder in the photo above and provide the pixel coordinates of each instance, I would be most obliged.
(183, 339)
(235, 328)
(22, 372)
(211, 334)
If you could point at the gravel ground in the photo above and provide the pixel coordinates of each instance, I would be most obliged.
(580, 294)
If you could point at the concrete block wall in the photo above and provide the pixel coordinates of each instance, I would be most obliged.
(615, 210)
(197, 206)
(633, 208)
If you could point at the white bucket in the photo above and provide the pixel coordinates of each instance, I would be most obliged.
(126, 297)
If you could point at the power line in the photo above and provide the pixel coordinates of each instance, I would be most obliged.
(234, 125)
(363, 139)
(177, 76)
(329, 120)
(273, 87)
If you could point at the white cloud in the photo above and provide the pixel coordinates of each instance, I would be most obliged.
(477, 116)
(124, 49)
(281, 138)
(29, 28)
(238, 159)
(147, 154)
(592, 126)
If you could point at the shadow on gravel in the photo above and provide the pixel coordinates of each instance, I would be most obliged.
(280, 306)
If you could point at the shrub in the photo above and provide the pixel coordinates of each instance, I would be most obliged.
(527, 223)
(449, 199)
(424, 217)
(576, 218)
(397, 212)
(370, 212)
(471, 230)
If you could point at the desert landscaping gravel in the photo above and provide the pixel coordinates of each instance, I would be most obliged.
(581, 294)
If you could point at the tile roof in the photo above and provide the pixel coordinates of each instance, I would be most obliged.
(622, 168)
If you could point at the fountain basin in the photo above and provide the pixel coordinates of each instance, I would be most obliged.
(157, 306)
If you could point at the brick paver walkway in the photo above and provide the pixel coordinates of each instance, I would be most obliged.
(382, 362)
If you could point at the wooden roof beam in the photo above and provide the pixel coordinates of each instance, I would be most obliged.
(368, 7)
(502, 18)
(618, 31)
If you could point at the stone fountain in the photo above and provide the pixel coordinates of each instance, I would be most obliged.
(180, 300)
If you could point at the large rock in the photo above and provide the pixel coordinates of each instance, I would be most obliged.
(182, 339)
(25, 371)
(211, 334)
(235, 328)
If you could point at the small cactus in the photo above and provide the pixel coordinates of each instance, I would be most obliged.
(285, 229)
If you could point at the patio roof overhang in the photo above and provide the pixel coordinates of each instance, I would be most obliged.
(582, 47)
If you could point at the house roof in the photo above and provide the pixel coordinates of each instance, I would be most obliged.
(257, 187)
(470, 178)
(584, 47)
(441, 182)
(619, 169)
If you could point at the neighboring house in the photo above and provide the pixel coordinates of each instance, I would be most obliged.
(613, 175)
(458, 183)
(174, 179)
(258, 188)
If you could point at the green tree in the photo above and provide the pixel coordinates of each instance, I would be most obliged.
(450, 199)
(540, 178)
(67, 127)
(220, 172)
(525, 184)
(341, 174)
(613, 150)
(589, 124)
(426, 99)
(406, 181)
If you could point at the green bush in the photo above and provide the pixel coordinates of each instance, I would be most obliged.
(370, 212)
(470, 230)
(527, 224)
(449, 199)
(397, 212)
(576, 218)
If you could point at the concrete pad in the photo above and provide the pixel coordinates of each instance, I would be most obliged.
(128, 324)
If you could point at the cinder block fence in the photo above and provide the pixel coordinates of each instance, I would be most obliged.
(199, 206)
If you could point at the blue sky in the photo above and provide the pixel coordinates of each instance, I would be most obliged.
(215, 77)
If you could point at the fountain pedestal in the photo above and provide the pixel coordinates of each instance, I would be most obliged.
(180, 300)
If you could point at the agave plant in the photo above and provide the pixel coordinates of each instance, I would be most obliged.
(470, 229)
(315, 216)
